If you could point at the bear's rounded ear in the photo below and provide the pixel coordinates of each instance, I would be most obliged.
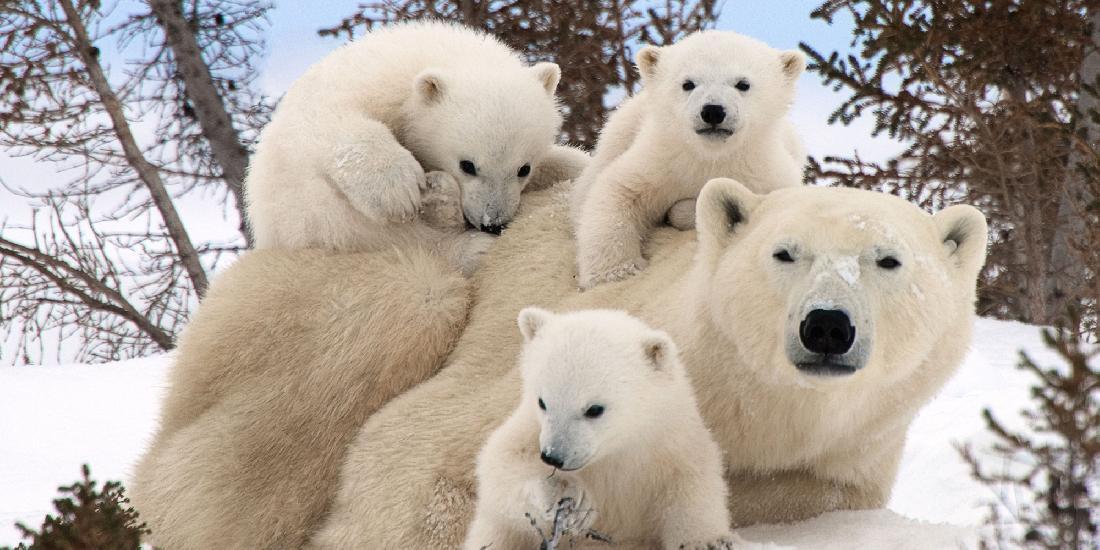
(430, 86)
(793, 62)
(646, 60)
(659, 351)
(531, 320)
(548, 74)
(965, 233)
(723, 207)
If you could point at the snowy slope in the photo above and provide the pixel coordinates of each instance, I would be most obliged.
(52, 419)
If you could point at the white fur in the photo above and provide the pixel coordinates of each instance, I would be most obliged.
(342, 163)
(645, 470)
(651, 156)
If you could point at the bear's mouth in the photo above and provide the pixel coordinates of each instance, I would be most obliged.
(826, 367)
(714, 132)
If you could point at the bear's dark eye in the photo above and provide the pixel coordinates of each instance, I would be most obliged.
(541, 404)
(889, 262)
(743, 85)
(524, 170)
(688, 86)
(783, 256)
(468, 167)
(595, 411)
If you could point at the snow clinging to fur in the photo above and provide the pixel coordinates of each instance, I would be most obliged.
(847, 267)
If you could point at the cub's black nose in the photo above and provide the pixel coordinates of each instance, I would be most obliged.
(494, 229)
(827, 331)
(713, 114)
(551, 460)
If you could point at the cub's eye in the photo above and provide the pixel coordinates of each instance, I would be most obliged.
(524, 170)
(688, 86)
(889, 262)
(743, 85)
(595, 411)
(783, 256)
(541, 404)
(468, 167)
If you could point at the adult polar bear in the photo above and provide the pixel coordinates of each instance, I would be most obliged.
(799, 440)
(292, 350)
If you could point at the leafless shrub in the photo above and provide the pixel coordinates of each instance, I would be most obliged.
(79, 268)
(1054, 466)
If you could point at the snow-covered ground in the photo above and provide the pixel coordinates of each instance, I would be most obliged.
(53, 419)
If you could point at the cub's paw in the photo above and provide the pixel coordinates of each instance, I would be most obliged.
(384, 186)
(563, 506)
(470, 250)
(618, 272)
(725, 542)
(441, 203)
(682, 215)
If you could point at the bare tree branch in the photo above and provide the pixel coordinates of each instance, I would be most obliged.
(148, 173)
(105, 268)
(206, 100)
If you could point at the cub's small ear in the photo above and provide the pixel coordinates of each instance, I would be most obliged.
(659, 351)
(793, 62)
(646, 60)
(531, 320)
(430, 86)
(723, 208)
(965, 233)
(548, 74)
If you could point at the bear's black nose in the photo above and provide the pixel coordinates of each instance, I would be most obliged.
(494, 229)
(827, 331)
(551, 460)
(713, 114)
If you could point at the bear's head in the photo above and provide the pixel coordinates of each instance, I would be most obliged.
(487, 127)
(714, 89)
(597, 380)
(833, 287)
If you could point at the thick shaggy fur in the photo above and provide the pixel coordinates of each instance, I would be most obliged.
(643, 469)
(287, 356)
(321, 331)
(795, 444)
(651, 154)
(342, 163)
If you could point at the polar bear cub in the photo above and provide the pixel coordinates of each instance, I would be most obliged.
(712, 105)
(342, 163)
(607, 419)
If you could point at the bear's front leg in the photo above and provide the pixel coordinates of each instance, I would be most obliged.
(379, 177)
(696, 516)
(786, 496)
(619, 210)
(725, 542)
